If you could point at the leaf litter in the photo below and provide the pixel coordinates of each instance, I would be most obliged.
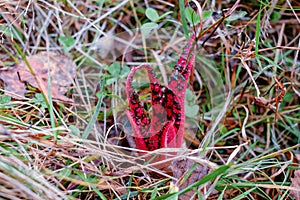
(296, 184)
(61, 69)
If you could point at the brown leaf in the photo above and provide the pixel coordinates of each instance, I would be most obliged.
(12, 83)
(61, 69)
(181, 167)
(296, 184)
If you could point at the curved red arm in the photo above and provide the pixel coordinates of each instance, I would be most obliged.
(166, 127)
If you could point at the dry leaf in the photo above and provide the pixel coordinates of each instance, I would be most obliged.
(12, 82)
(3, 130)
(181, 167)
(114, 45)
(62, 70)
(296, 184)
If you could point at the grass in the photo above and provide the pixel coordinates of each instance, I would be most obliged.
(244, 139)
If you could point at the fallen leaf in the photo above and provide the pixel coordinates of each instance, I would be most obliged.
(12, 83)
(61, 69)
(181, 167)
(296, 184)
(113, 45)
(3, 130)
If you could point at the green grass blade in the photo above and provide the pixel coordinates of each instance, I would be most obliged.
(211, 176)
(183, 19)
(244, 195)
(257, 32)
(51, 108)
(96, 113)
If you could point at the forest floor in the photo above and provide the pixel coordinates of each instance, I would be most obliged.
(64, 131)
